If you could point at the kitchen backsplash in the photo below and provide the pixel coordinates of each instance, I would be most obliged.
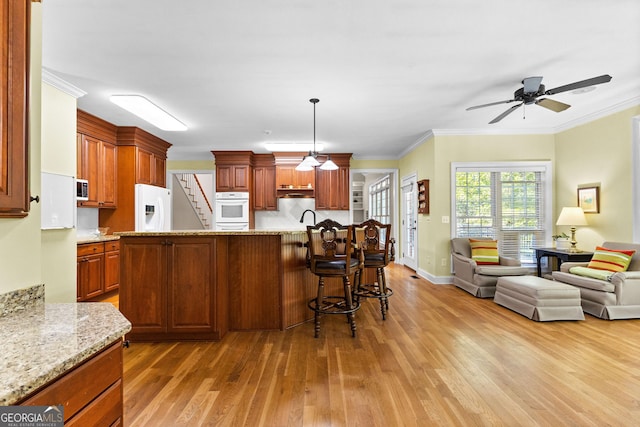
(287, 217)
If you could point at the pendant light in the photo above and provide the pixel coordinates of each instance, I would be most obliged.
(310, 161)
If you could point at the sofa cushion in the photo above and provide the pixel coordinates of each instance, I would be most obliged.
(484, 252)
(610, 259)
(583, 282)
(501, 270)
(594, 273)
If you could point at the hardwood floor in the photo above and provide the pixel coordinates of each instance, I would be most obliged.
(442, 357)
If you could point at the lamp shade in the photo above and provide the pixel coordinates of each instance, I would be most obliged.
(572, 216)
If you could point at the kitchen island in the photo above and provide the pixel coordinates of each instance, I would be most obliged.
(198, 285)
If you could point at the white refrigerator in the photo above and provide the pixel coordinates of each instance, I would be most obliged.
(153, 208)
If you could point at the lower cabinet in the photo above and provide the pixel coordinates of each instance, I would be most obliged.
(174, 287)
(91, 393)
(98, 269)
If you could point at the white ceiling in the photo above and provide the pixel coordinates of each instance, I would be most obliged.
(387, 72)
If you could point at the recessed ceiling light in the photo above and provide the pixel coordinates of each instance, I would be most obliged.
(147, 110)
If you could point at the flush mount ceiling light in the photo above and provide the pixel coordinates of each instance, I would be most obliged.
(148, 111)
(310, 161)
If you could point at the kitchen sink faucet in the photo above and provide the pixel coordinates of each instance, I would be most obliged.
(308, 210)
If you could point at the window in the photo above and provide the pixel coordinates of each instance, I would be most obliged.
(379, 200)
(510, 202)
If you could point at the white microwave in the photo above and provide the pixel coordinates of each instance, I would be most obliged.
(82, 189)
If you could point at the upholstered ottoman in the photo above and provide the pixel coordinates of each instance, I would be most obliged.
(539, 299)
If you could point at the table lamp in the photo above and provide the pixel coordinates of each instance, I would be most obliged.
(572, 217)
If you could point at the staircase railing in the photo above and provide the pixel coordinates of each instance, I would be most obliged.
(197, 197)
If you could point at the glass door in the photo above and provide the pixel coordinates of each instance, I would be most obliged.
(409, 222)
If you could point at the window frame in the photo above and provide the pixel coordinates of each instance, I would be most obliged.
(544, 167)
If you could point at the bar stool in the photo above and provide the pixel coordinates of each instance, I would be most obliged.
(330, 254)
(374, 238)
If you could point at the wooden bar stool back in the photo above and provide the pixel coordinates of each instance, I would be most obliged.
(331, 254)
(374, 239)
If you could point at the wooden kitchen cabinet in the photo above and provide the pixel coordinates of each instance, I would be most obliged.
(141, 160)
(98, 269)
(111, 266)
(97, 160)
(175, 287)
(14, 110)
(264, 183)
(332, 187)
(233, 170)
(91, 393)
(90, 271)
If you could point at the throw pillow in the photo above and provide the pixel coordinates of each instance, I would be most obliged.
(484, 252)
(610, 259)
(592, 272)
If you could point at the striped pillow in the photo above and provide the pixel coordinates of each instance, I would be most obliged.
(484, 252)
(610, 259)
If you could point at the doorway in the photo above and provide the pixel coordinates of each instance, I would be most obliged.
(409, 222)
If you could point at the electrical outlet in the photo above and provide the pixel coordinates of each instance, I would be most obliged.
(443, 262)
(445, 219)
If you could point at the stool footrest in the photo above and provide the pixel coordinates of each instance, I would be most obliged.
(372, 290)
(333, 305)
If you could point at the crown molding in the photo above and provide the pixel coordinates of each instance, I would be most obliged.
(66, 87)
(616, 108)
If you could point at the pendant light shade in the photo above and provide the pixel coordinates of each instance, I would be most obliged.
(310, 161)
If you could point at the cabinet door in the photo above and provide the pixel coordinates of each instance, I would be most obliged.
(224, 180)
(332, 189)
(265, 189)
(241, 177)
(91, 171)
(90, 276)
(144, 166)
(111, 270)
(143, 294)
(108, 176)
(14, 93)
(159, 171)
(192, 280)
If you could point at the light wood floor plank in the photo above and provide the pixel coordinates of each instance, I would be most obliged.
(441, 358)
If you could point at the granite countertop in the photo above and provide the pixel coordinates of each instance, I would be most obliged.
(208, 233)
(96, 239)
(42, 342)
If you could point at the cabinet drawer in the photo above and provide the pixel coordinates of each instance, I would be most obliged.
(105, 410)
(113, 245)
(83, 384)
(90, 249)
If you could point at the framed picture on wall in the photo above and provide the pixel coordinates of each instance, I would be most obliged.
(589, 199)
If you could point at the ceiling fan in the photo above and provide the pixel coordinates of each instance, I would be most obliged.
(533, 88)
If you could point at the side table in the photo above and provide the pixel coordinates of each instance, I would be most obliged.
(562, 256)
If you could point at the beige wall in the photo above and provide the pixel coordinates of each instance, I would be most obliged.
(20, 255)
(598, 152)
(58, 156)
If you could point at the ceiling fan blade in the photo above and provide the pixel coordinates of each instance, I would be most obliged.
(605, 78)
(505, 114)
(489, 104)
(532, 84)
(552, 105)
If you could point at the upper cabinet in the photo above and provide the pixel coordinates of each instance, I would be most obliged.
(233, 170)
(264, 183)
(332, 186)
(146, 153)
(14, 94)
(141, 160)
(97, 160)
(291, 182)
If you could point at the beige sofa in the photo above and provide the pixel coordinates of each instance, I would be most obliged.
(479, 280)
(616, 298)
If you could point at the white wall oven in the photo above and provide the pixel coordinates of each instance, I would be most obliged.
(232, 211)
